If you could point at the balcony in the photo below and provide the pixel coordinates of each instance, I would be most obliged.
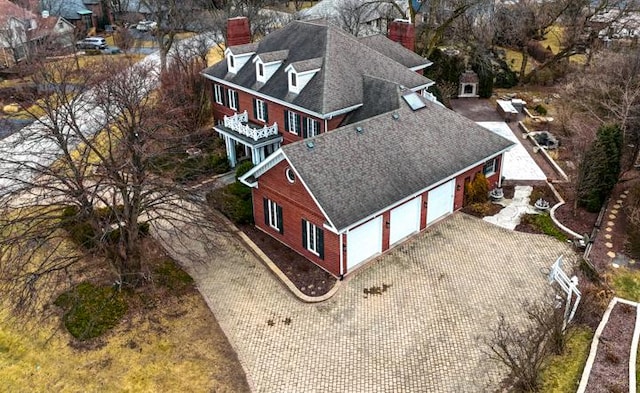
(239, 123)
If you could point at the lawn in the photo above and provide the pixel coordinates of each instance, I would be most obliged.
(563, 372)
(168, 341)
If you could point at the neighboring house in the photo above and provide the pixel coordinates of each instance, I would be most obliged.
(361, 160)
(15, 24)
(358, 17)
(83, 14)
(53, 32)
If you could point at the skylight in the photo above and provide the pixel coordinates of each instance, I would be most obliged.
(414, 101)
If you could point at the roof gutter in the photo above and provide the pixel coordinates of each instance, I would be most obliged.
(415, 194)
(421, 66)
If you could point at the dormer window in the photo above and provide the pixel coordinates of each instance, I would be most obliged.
(301, 72)
(238, 56)
(268, 63)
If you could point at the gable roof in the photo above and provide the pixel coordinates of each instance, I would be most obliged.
(338, 85)
(354, 175)
(11, 10)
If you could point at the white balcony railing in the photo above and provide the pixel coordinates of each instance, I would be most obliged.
(238, 124)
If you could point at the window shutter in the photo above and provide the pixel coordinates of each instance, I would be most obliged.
(304, 234)
(286, 120)
(266, 112)
(255, 109)
(225, 96)
(305, 129)
(299, 120)
(236, 98)
(320, 242)
(280, 222)
(266, 211)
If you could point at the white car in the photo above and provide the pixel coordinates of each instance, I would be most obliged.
(146, 25)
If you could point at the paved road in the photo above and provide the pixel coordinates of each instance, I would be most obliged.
(439, 294)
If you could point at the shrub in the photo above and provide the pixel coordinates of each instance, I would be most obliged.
(632, 210)
(538, 52)
(600, 168)
(219, 163)
(477, 190)
(544, 224)
(238, 203)
(243, 168)
(90, 310)
(170, 276)
(80, 230)
(541, 110)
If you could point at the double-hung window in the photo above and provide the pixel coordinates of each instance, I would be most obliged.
(490, 167)
(218, 94)
(292, 122)
(233, 99)
(260, 110)
(311, 127)
(313, 238)
(273, 215)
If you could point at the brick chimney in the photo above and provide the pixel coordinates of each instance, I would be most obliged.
(402, 32)
(238, 31)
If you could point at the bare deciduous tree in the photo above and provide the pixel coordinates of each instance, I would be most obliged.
(83, 170)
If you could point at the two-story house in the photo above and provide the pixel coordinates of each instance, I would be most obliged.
(351, 158)
(298, 82)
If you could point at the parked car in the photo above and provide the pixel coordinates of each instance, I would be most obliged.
(92, 43)
(146, 25)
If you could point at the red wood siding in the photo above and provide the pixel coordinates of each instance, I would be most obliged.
(460, 180)
(296, 204)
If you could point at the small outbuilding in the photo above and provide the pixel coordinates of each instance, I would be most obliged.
(469, 83)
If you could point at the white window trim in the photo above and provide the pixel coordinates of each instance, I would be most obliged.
(232, 96)
(311, 232)
(273, 215)
(313, 127)
(294, 122)
(486, 173)
(260, 110)
(218, 94)
(291, 177)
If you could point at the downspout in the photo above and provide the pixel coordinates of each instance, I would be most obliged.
(341, 256)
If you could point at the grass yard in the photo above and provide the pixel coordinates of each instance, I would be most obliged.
(563, 372)
(168, 341)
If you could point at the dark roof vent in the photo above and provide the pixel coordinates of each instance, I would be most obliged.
(395, 116)
(310, 144)
(359, 130)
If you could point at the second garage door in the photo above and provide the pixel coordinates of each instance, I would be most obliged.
(440, 201)
(405, 220)
(364, 242)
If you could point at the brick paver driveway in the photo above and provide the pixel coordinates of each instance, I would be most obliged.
(442, 292)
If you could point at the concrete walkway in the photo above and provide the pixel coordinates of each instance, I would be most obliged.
(413, 321)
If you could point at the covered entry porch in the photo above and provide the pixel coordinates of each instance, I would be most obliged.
(247, 140)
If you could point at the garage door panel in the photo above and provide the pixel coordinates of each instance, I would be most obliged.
(405, 220)
(364, 242)
(440, 201)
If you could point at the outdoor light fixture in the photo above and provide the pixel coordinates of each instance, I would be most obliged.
(387, 224)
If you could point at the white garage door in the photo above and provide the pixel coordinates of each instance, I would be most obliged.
(364, 242)
(405, 220)
(440, 201)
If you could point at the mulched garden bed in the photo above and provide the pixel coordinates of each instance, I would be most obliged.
(306, 276)
(610, 371)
